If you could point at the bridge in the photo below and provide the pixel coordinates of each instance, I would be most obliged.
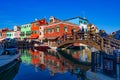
(94, 40)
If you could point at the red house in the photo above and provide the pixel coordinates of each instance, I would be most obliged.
(57, 28)
(4, 32)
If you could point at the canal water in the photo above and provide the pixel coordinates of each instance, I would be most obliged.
(70, 64)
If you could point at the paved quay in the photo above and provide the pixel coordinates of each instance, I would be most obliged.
(97, 76)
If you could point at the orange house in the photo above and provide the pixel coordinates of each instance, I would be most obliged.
(35, 28)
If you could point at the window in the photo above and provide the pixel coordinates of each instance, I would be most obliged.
(52, 30)
(80, 21)
(44, 30)
(11, 34)
(58, 29)
(40, 33)
(74, 30)
(35, 32)
(22, 34)
(51, 20)
(49, 30)
(85, 22)
(36, 24)
(28, 33)
(66, 29)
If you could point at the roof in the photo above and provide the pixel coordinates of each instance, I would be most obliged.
(39, 20)
(60, 22)
(75, 18)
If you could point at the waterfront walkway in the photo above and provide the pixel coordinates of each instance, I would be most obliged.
(97, 76)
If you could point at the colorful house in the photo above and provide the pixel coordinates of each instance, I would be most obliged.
(81, 22)
(4, 32)
(0, 34)
(35, 28)
(25, 31)
(17, 32)
(77, 20)
(10, 34)
(57, 29)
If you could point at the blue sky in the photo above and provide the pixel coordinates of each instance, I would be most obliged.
(105, 14)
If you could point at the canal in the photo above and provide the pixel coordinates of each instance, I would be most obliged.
(70, 64)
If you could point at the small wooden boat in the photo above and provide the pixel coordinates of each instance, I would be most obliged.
(42, 48)
(8, 56)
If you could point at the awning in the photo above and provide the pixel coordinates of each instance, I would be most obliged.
(35, 37)
(51, 37)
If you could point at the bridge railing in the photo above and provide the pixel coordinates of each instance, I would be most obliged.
(96, 38)
(112, 43)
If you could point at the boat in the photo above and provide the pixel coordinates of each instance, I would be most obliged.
(1, 49)
(9, 55)
(42, 48)
(10, 72)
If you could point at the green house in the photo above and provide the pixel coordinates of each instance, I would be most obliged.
(25, 31)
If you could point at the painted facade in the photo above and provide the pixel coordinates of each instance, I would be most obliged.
(4, 33)
(9, 34)
(92, 28)
(58, 29)
(13, 34)
(81, 22)
(41, 33)
(16, 32)
(0, 34)
(35, 27)
(25, 31)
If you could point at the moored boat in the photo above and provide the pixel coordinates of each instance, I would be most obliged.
(9, 55)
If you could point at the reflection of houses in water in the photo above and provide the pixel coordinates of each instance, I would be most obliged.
(56, 64)
(37, 57)
(26, 58)
(51, 60)
(82, 55)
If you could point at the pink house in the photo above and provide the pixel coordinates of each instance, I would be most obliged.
(16, 32)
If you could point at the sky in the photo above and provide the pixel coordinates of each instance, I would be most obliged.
(105, 14)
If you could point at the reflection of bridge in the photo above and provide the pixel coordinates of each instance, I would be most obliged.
(94, 40)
